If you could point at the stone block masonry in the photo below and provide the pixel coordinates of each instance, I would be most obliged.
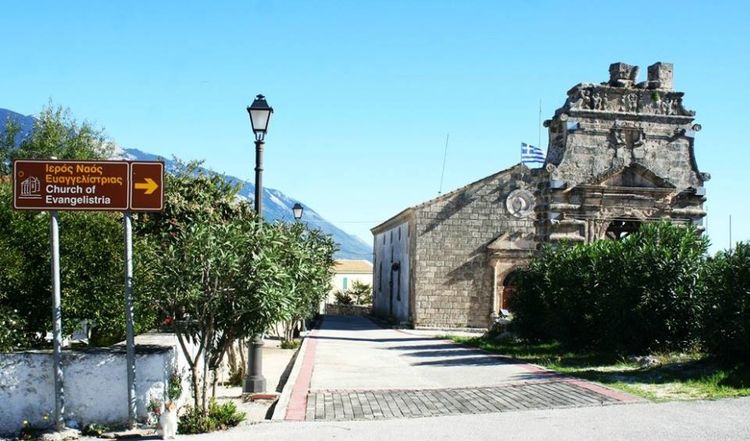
(454, 274)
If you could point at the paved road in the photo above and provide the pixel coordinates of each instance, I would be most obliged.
(683, 421)
(362, 371)
(353, 353)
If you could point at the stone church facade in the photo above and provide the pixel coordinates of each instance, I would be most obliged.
(620, 153)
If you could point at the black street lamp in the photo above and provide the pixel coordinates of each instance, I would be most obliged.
(260, 114)
(297, 210)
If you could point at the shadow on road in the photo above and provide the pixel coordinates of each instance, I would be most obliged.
(375, 340)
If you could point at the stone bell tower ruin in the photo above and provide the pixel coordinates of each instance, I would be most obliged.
(620, 154)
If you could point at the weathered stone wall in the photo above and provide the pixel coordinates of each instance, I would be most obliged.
(621, 152)
(454, 274)
(95, 383)
(356, 310)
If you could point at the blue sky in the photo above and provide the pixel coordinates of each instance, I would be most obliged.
(366, 91)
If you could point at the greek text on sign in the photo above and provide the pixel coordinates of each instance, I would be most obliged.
(84, 185)
(70, 185)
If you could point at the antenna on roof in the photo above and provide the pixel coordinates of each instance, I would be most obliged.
(445, 156)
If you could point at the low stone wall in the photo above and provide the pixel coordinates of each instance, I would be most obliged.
(95, 383)
(358, 310)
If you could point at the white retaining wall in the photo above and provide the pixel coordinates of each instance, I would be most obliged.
(95, 383)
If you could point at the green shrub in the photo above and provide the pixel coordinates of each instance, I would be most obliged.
(636, 295)
(343, 298)
(95, 430)
(361, 293)
(225, 415)
(218, 417)
(290, 344)
(726, 305)
(530, 314)
(193, 421)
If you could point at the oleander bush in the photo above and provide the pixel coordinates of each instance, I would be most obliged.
(637, 295)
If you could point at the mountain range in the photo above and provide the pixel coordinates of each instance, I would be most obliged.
(277, 206)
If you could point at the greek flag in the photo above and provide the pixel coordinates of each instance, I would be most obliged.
(529, 153)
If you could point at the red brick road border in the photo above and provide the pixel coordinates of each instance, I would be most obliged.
(298, 400)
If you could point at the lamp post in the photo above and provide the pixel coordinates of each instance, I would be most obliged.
(297, 210)
(260, 114)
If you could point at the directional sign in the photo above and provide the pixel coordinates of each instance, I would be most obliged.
(70, 185)
(147, 181)
(88, 185)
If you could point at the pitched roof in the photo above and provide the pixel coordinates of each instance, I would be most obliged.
(353, 266)
(445, 196)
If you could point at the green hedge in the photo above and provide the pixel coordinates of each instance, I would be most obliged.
(637, 295)
(726, 304)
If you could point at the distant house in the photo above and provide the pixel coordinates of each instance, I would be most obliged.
(347, 272)
(620, 154)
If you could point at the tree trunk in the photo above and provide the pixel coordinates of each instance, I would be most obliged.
(213, 384)
(193, 364)
(232, 359)
(204, 385)
(194, 384)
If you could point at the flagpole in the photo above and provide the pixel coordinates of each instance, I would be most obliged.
(539, 127)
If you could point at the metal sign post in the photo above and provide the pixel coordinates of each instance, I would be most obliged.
(51, 185)
(130, 339)
(146, 193)
(57, 323)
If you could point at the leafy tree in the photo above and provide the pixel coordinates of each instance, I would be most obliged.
(218, 273)
(342, 297)
(194, 273)
(307, 255)
(359, 294)
(55, 134)
(91, 245)
(206, 264)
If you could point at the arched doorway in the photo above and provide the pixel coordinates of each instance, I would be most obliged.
(620, 229)
(509, 287)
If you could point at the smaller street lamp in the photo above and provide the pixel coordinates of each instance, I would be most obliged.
(297, 210)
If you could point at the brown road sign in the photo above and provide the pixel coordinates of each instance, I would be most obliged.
(70, 185)
(147, 186)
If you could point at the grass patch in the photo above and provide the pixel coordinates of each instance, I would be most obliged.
(675, 377)
(290, 344)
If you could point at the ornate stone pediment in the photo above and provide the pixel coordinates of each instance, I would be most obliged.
(512, 242)
(634, 175)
